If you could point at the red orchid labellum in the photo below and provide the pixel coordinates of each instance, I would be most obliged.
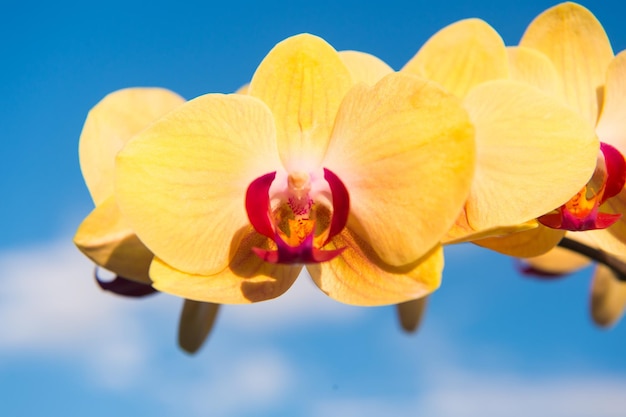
(582, 212)
(296, 192)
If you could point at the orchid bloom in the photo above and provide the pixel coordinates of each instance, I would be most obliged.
(566, 51)
(582, 212)
(234, 194)
(533, 151)
(105, 236)
(521, 132)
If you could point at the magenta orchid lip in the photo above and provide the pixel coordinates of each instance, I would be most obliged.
(260, 214)
(583, 212)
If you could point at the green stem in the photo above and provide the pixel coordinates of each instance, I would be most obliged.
(618, 267)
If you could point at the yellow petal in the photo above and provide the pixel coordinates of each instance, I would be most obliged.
(532, 67)
(364, 67)
(612, 124)
(303, 81)
(247, 279)
(109, 241)
(577, 45)
(181, 183)
(534, 153)
(525, 244)
(461, 56)
(461, 231)
(359, 277)
(559, 261)
(405, 151)
(196, 322)
(608, 297)
(411, 313)
(110, 124)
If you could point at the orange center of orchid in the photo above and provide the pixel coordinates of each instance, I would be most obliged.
(300, 221)
(584, 202)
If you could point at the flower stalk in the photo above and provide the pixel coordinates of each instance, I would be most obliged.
(617, 266)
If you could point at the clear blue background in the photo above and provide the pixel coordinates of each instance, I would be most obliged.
(494, 343)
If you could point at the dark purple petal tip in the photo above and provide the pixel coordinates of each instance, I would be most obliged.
(124, 286)
(532, 272)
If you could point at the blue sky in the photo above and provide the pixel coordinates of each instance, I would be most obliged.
(493, 343)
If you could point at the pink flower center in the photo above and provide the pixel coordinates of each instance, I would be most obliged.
(300, 213)
(582, 211)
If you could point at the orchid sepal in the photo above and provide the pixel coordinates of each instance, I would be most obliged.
(124, 286)
(534, 272)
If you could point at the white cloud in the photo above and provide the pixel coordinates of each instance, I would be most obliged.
(50, 307)
(49, 300)
(247, 386)
(475, 394)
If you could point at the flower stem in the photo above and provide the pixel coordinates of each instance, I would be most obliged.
(617, 266)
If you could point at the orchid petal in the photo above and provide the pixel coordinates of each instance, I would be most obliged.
(107, 239)
(461, 56)
(411, 313)
(559, 260)
(388, 142)
(303, 81)
(181, 182)
(462, 232)
(340, 201)
(359, 277)
(615, 166)
(566, 220)
(258, 204)
(577, 45)
(247, 278)
(534, 153)
(196, 322)
(110, 124)
(364, 67)
(532, 67)
(611, 127)
(608, 297)
(613, 238)
(529, 270)
(125, 287)
(525, 244)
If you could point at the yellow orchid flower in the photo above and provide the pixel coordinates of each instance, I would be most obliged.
(235, 193)
(566, 51)
(522, 170)
(533, 151)
(104, 236)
